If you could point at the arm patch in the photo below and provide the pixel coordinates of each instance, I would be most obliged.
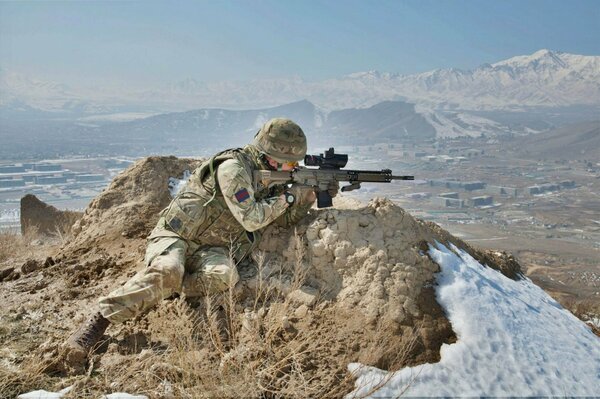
(242, 195)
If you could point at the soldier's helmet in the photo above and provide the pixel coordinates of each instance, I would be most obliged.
(281, 139)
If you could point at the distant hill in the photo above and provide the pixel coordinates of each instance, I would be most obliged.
(390, 120)
(577, 141)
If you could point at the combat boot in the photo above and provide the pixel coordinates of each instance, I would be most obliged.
(87, 336)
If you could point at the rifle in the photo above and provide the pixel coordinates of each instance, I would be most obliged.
(329, 170)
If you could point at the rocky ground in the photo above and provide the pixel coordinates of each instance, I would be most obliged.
(349, 284)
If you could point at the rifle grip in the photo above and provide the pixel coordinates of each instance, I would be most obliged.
(324, 200)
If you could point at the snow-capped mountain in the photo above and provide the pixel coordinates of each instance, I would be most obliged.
(17, 85)
(22, 93)
(542, 79)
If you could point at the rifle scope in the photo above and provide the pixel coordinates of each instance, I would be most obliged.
(329, 160)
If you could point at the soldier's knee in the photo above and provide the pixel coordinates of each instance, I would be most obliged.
(170, 270)
(221, 277)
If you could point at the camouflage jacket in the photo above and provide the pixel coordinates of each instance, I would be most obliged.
(219, 206)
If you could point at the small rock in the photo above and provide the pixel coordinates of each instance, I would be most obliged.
(30, 266)
(304, 296)
(78, 267)
(301, 312)
(312, 233)
(318, 248)
(4, 273)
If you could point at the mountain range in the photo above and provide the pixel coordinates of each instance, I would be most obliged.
(543, 79)
(518, 96)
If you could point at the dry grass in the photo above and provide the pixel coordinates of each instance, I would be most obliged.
(15, 381)
(12, 244)
(585, 310)
(401, 358)
(61, 235)
(218, 349)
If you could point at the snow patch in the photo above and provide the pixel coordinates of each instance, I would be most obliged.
(123, 395)
(175, 184)
(41, 394)
(513, 340)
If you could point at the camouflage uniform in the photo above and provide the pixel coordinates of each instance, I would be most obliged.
(209, 227)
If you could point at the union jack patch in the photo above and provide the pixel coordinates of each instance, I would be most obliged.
(242, 195)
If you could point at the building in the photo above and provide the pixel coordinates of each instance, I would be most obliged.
(448, 202)
(11, 169)
(533, 190)
(69, 174)
(454, 184)
(47, 167)
(437, 183)
(89, 178)
(547, 187)
(473, 185)
(449, 195)
(418, 195)
(9, 183)
(567, 184)
(45, 180)
(501, 190)
(483, 200)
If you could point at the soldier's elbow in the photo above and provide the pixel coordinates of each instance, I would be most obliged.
(250, 225)
(251, 228)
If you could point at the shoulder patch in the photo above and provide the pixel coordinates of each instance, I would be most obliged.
(242, 195)
(175, 224)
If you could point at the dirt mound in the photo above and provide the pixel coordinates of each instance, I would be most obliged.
(351, 283)
(371, 264)
(38, 217)
(128, 209)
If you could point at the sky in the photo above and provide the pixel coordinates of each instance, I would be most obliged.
(149, 42)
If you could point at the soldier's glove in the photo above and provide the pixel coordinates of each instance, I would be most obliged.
(304, 194)
(333, 188)
(289, 197)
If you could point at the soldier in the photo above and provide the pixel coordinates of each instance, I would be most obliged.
(208, 228)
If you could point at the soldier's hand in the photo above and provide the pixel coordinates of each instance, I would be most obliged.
(333, 188)
(304, 194)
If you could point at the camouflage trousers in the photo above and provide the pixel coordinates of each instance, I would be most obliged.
(172, 266)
